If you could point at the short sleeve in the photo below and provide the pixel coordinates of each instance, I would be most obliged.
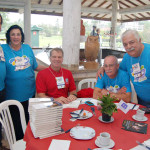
(99, 83)
(40, 85)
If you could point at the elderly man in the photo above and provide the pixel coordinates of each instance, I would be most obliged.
(114, 81)
(56, 81)
(136, 63)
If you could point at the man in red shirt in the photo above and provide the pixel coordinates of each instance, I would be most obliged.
(56, 81)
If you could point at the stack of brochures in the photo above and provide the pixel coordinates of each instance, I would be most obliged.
(46, 119)
(33, 101)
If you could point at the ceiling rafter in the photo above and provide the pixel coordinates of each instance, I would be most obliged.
(103, 16)
(141, 2)
(148, 13)
(50, 2)
(60, 2)
(141, 15)
(92, 3)
(132, 3)
(83, 2)
(135, 16)
(102, 4)
(128, 17)
(120, 2)
(39, 2)
(91, 9)
(89, 14)
(96, 15)
(108, 6)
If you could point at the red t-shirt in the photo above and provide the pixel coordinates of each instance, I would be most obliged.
(46, 82)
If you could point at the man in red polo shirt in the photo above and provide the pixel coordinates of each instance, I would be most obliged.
(56, 81)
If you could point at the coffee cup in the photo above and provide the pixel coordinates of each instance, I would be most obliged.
(104, 139)
(139, 114)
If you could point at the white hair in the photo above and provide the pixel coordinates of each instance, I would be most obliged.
(134, 32)
(115, 58)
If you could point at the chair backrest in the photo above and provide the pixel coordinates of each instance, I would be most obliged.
(6, 120)
(90, 83)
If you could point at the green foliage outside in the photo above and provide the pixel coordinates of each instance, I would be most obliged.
(52, 34)
(53, 41)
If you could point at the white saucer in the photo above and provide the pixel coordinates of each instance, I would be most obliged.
(112, 144)
(111, 120)
(144, 118)
(101, 149)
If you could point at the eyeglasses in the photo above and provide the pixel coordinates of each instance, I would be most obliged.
(110, 65)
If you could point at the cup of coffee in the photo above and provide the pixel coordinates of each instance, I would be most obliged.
(104, 139)
(139, 114)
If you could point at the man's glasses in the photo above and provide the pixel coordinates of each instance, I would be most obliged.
(110, 65)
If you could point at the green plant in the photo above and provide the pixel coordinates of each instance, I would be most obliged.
(107, 105)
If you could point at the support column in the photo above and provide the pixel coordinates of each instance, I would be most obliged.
(27, 22)
(71, 32)
(113, 24)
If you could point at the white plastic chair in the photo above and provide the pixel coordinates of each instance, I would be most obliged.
(6, 121)
(90, 83)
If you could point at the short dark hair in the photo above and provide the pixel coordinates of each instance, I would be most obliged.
(57, 50)
(11, 28)
(1, 19)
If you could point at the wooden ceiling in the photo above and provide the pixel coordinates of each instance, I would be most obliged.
(128, 10)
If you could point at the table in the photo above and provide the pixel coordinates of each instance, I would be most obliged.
(123, 139)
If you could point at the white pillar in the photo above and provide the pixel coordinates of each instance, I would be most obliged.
(27, 21)
(113, 24)
(71, 32)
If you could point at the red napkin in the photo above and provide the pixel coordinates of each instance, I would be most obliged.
(85, 93)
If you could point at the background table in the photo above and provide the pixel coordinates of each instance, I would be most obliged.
(123, 139)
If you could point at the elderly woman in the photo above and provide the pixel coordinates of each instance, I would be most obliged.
(20, 67)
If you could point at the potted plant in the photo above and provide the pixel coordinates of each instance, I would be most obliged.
(107, 107)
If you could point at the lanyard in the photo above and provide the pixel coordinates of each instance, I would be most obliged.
(53, 73)
(138, 60)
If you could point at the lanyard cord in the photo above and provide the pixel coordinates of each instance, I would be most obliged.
(138, 60)
(53, 73)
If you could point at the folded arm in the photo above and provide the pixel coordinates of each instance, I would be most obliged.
(98, 93)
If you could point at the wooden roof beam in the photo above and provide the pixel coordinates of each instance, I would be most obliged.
(60, 2)
(102, 4)
(50, 2)
(141, 2)
(137, 9)
(135, 16)
(120, 2)
(83, 2)
(132, 3)
(92, 3)
(39, 2)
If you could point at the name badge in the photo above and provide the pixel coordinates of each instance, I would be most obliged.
(136, 68)
(60, 82)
